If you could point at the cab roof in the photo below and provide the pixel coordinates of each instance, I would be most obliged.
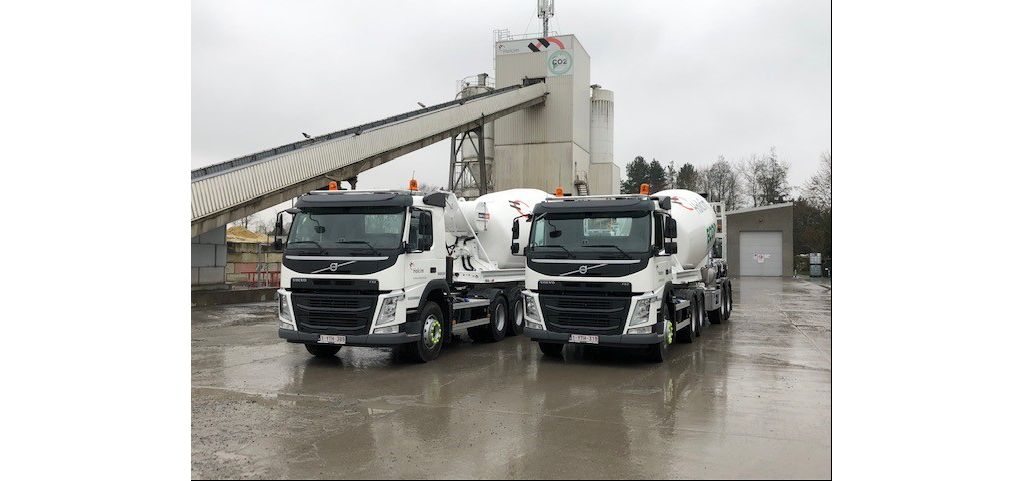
(342, 198)
(582, 204)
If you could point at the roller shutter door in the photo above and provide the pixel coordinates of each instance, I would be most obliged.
(760, 253)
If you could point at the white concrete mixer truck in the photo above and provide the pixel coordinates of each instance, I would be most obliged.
(629, 271)
(401, 269)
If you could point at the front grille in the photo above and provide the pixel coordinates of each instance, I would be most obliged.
(577, 314)
(349, 314)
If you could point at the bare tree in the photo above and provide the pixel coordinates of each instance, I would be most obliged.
(721, 181)
(672, 172)
(244, 222)
(765, 178)
(263, 226)
(818, 190)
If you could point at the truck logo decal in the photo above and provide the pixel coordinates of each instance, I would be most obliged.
(334, 267)
(582, 270)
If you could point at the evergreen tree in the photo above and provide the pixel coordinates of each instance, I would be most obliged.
(658, 178)
(687, 177)
(637, 172)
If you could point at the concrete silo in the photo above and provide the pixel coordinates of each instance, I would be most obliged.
(603, 177)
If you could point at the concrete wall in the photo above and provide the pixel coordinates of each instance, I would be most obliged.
(209, 256)
(244, 259)
(773, 219)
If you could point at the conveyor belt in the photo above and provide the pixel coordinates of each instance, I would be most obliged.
(230, 190)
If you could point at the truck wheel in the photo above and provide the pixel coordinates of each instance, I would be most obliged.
(322, 351)
(516, 319)
(701, 314)
(428, 346)
(551, 349)
(718, 315)
(495, 330)
(659, 352)
(727, 300)
(668, 320)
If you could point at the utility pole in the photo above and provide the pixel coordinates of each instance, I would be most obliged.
(545, 10)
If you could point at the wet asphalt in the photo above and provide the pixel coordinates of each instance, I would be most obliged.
(750, 399)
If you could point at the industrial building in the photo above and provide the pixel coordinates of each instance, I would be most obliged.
(759, 240)
(566, 143)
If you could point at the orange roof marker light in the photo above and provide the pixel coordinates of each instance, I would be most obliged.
(413, 185)
(559, 192)
(645, 189)
(332, 185)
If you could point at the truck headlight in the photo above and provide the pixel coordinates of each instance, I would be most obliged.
(284, 309)
(642, 311)
(388, 310)
(532, 310)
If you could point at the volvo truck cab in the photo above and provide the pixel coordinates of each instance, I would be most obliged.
(396, 269)
(607, 271)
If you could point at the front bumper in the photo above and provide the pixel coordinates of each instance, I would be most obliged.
(619, 340)
(411, 334)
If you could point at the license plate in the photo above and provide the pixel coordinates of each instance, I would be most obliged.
(332, 340)
(581, 339)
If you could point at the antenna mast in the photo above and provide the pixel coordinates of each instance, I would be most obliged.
(545, 10)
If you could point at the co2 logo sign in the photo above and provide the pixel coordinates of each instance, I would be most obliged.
(560, 62)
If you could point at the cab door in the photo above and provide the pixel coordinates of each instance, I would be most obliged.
(662, 259)
(426, 251)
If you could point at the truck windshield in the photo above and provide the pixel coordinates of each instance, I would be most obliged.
(366, 229)
(592, 234)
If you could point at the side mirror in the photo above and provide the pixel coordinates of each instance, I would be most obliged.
(515, 229)
(278, 245)
(671, 230)
(515, 247)
(425, 229)
(671, 248)
(425, 243)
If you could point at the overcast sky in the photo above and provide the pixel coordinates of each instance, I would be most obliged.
(693, 79)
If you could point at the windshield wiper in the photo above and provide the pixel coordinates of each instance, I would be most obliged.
(374, 249)
(624, 254)
(322, 250)
(560, 247)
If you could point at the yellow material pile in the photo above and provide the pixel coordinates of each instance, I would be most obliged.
(241, 235)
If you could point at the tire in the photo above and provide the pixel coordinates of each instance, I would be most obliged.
(668, 320)
(727, 300)
(517, 322)
(718, 315)
(320, 350)
(428, 346)
(659, 352)
(551, 349)
(701, 314)
(495, 330)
